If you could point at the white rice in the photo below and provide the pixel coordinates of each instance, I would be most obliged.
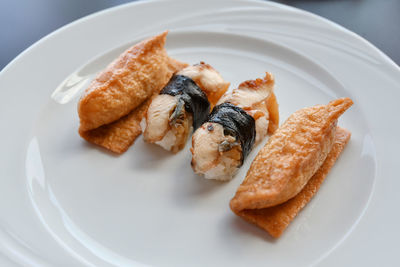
(168, 141)
(224, 171)
(143, 124)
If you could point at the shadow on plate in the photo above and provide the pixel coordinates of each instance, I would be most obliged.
(234, 226)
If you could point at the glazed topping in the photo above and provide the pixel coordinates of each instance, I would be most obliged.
(208, 79)
(157, 118)
(203, 74)
(191, 95)
(237, 123)
(215, 154)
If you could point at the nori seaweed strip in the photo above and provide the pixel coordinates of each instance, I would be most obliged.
(236, 122)
(196, 101)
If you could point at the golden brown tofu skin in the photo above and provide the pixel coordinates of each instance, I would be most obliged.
(273, 110)
(118, 136)
(276, 219)
(115, 102)
(126, 83)
(291, 157)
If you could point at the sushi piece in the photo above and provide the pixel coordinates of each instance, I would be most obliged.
(276, 219)
(288, 171)
(118, 136)
(182, 105)
(113, 105)
(241, 119)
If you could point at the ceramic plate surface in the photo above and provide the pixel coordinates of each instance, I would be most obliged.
(65, 202)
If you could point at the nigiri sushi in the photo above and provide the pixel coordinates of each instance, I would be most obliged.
(184, 103)
(241, 119)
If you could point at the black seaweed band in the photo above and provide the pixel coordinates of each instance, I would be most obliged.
(196, 101)
(236, 122)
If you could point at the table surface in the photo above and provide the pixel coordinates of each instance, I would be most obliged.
(23, 22)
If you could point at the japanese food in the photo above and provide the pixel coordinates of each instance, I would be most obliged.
(288, 171)
(113, 105)
(182, 105)
(241, 119)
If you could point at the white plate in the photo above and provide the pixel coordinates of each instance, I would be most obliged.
(67, 203)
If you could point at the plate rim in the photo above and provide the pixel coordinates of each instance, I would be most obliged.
(139, 2)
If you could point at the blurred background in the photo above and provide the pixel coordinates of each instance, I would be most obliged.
(23, 22)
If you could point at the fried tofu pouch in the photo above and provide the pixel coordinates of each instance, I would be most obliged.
(304, 147)
(120, 93)
(118, 136)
